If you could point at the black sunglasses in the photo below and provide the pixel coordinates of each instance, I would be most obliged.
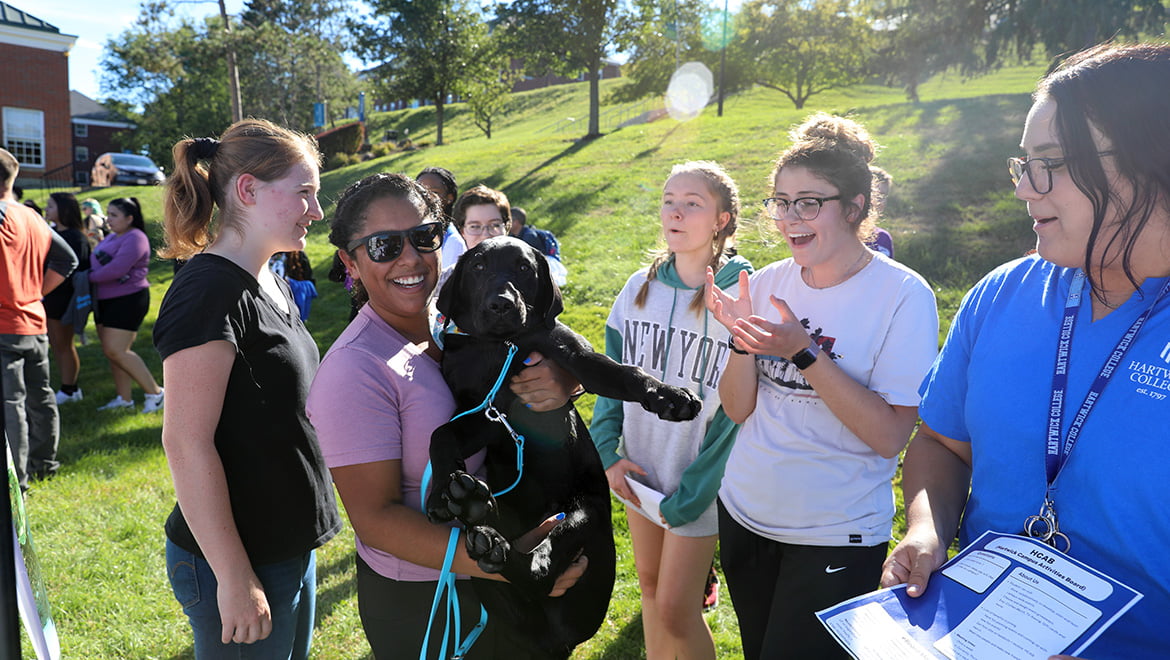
(384, 246)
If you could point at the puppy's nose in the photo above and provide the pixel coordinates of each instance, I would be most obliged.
(501, 305)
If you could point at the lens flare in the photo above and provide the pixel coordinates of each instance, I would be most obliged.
(689, 91)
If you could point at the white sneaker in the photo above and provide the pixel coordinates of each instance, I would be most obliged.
(154, 402)
(63, 398)
(117, 403)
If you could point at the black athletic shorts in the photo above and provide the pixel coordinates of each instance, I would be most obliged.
(123, 312)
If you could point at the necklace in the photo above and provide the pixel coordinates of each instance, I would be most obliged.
(853, 269)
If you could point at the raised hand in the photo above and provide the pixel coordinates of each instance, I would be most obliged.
(726, 308)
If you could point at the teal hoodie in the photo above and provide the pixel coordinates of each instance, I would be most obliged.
(701, 479)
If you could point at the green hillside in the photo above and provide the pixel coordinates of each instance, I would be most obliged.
(98, 525)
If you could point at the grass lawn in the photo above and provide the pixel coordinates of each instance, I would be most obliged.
(98, 525)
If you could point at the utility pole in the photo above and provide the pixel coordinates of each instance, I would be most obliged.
(233, 72)
(722, 59)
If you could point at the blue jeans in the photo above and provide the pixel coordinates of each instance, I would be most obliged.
(291, 589)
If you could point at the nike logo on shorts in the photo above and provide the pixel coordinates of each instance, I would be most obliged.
(829, 569)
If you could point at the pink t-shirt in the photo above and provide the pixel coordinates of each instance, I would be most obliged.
(377, 397)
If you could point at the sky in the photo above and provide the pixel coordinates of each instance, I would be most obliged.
(94, 22)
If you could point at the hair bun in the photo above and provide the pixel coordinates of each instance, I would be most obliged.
(831, 131)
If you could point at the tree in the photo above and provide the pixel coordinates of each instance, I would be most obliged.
(565, 37)
(660, 36)
(917, 39)
(424, 47)
(802, 49)
(487, 83)
(169, 73)
(290, 53)
(1066, 26)
(174, 71)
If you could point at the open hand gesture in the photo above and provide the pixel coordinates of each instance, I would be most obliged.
(725, 308)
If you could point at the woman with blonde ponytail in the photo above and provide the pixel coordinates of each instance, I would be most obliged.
(254, 495)
(829, 346)
(659, 323)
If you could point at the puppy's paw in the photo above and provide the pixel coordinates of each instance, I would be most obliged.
(673, 404)
(488, 548)
(437, 509)
(469, 499)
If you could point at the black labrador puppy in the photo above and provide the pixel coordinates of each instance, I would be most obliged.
(500, 295)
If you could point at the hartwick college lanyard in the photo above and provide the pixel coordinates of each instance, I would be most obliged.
(1044, 525)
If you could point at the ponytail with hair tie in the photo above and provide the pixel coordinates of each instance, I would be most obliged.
(204, 148)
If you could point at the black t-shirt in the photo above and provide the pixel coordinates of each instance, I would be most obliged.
(280, 490)
(58, 298)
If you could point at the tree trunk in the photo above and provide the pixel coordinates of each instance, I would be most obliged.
(233, 71)
(594, 75)
(439, 101)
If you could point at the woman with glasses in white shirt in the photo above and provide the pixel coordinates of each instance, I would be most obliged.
(829, 347)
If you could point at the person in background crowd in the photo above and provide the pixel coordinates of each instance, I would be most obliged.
(481, 213)
(117, 270)
(296, 270)
(542, 240)
(881, 240)
(95, 223)
(63, 213)
(441, 183)
(1065, 438)
(34, 260)
(829, 346)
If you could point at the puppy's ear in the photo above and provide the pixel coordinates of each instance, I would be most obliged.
(449, 293)
(549, 300)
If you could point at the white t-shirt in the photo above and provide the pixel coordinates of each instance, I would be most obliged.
(797, 474)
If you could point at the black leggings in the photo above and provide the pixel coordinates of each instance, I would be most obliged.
(394, 616)
(776, 588)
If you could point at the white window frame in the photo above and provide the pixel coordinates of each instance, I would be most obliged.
(21, 136)
(81, 130)
(80, 154)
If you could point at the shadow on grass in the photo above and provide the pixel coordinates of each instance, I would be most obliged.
(561, 212)
(576, 146)
(344, 573)
(626, 645)
(962, 144)
(650, 151)
(186, 654)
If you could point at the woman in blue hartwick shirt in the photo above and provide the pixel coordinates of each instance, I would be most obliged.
(1095, 173)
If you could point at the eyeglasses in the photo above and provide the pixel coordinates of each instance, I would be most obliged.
(384, 246)
(807, 208)
(1018, 167)
(491, 229)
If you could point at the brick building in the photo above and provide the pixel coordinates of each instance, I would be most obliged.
(609, 69)
(34, 96)
(95, 131)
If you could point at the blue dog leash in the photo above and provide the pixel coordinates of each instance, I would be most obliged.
(447, 583)
(446, 575)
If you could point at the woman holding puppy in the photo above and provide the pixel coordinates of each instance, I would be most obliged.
(829, 348)
(684, 461)
(378, 396)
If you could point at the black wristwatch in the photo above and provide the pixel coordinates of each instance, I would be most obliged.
(804, 358)
(731, 345)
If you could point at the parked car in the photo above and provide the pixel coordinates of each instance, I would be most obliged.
(116, 169)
